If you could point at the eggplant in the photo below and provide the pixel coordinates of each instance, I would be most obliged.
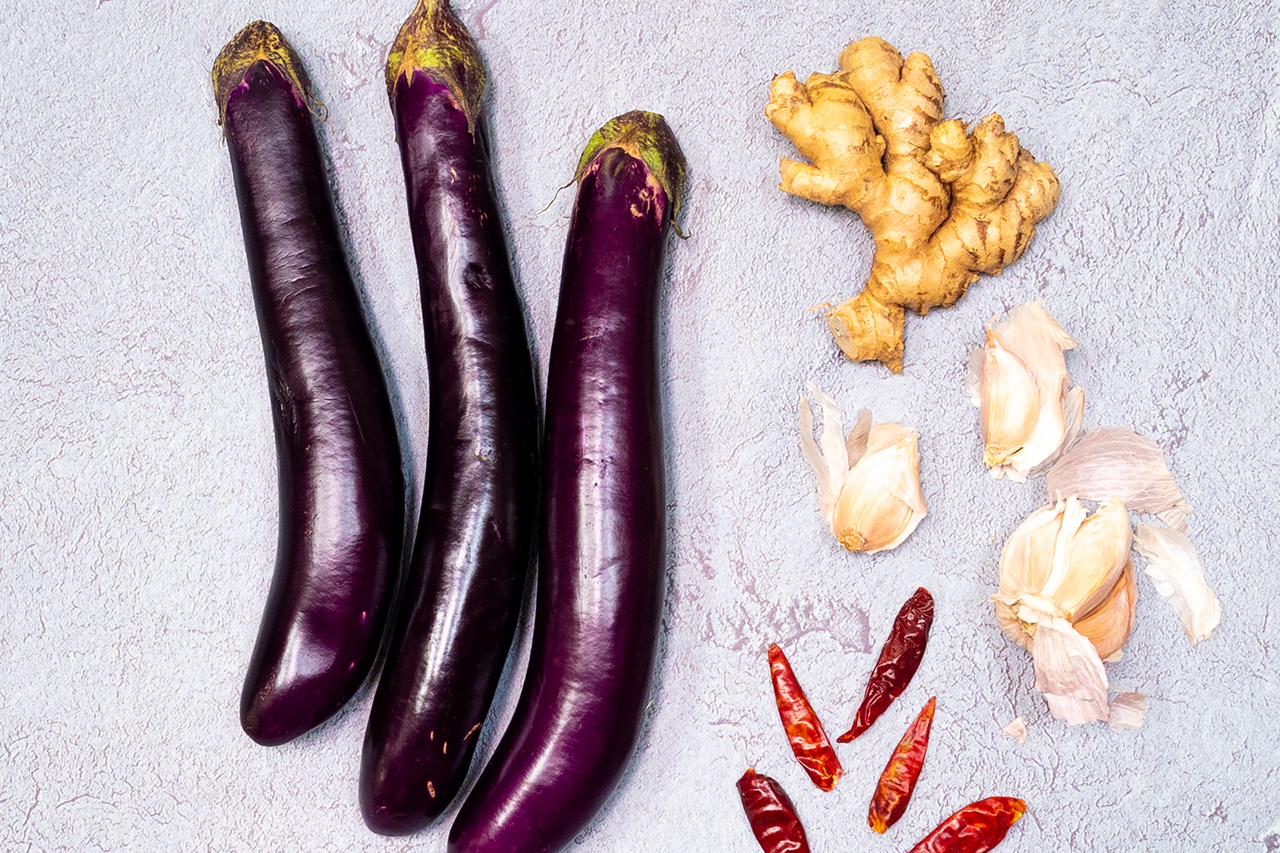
(603, 529)
(341, 486)
(461, 600)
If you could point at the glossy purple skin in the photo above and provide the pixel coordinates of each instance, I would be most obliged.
(600, 577)
(461, 601)
(341, 486)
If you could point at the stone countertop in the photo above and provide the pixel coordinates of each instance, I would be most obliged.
(137, 475)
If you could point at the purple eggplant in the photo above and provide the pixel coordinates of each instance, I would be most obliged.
(458, 612)
(600, 576)
(341, 485)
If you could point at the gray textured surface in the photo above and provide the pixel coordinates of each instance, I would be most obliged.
(137, 481)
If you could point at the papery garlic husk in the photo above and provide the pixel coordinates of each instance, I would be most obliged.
(1175, 570)
(1117, 462)
(1127, 711)
(1069, 672)
(1016, 730)
(868, 483)
(1019, 381)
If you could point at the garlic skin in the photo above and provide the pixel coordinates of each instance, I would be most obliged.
(1175, 570)
(1067, 595)
(1069, 672)
(1117, 462)
(1019, 381)
(1127, 710)
(1016, 730)
(868, 483)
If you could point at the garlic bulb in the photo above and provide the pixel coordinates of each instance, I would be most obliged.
(869, 482)
(1019, 381)
(1067, 595)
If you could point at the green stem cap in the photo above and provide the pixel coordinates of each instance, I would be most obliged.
(646, 137)
(434, 40)
(258, 40)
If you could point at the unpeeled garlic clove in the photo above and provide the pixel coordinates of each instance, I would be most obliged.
(1009, 402)
(1099, 552)
(1019, 380)
(1025, 564)
(871, 499)
(1109, 625)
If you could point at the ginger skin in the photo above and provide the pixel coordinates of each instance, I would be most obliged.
(942, 206)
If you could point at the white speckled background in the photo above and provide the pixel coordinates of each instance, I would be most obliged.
(137, 479)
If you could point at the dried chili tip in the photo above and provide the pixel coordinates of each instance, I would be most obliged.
(976, 828)
(898, 780)
(808, 738)
(899, 660)
(771, 813)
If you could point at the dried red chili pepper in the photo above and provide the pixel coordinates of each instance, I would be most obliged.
(808, 739)
(898, 661)
(899, 777)
(976, 828)
(771, 813)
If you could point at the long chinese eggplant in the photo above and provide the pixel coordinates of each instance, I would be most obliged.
(600, 577)
(341, 485)
(458, 612)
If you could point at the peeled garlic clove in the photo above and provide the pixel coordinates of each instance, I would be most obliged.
(880, 502)
(1175, 570)
(1069, 672)
(1109, 625)
(1116, 462)
(1010, 402)
(1099, 551)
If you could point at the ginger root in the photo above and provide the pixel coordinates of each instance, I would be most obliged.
(942, 205)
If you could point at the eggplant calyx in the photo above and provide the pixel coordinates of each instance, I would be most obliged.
(646, 137)
(433, 40)
(260, 41)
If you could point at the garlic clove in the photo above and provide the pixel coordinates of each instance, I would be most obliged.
(1012, 627)
(1116, 462)
(1027, 559)
(1109, 625)
(1039, 342)
(1099, 551)
(1010, 402)
(880, 502)
(1175, 570)
(868, 484)
(1069, 672)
